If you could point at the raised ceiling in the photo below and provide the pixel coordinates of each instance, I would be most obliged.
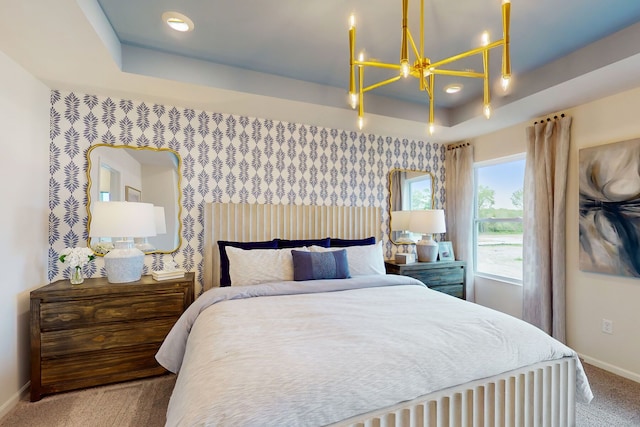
(265, 57)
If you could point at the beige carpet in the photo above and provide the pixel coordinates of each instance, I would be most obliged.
(131, 404)
(144, 403)
(616, 401)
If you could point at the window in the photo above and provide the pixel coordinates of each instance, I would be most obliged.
(418, 188)
(498, 218)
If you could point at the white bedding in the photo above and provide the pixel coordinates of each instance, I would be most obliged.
(314, 353)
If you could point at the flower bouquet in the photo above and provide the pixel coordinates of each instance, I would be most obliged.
(76, 258)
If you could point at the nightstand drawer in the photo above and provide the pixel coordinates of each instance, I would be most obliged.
(443, 276)
(78, 313)
(97, 338)
(454, 290)
(440, 276)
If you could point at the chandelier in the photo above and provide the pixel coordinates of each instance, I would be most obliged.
(422, 68)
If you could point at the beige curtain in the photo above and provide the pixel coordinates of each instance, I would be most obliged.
(545, 185)
(459, 210)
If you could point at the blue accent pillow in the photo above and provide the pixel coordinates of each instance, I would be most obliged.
(320, 265)
(345, 243)
(283, 244)
(225, 279)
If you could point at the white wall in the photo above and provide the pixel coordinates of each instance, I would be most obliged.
(590, 297)
(24, 141)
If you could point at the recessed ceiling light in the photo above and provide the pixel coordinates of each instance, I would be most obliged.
(453, 88)
(178, 21)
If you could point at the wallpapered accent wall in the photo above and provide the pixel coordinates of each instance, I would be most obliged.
(225, 158)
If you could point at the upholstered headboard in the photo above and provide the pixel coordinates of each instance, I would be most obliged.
(243, 222)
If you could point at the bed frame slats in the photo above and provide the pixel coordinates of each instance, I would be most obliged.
(242, 222)
(538, 396)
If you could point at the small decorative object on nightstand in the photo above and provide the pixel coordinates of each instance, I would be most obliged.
(448, 277)
(99, 333)
(405, 258)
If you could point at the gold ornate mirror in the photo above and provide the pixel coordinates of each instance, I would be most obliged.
(408, 190)
(137, 174)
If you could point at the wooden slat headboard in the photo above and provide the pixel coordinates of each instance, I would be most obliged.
(243, 222)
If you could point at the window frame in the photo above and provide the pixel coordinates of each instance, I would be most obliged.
(477, 221)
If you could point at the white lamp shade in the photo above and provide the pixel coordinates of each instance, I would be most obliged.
(400, 220)
(428, 221)
(161, 224)
(122, 219)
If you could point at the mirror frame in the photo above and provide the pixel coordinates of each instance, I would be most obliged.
(390, 184)
(178, 190)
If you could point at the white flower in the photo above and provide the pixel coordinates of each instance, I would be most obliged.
(76, 257)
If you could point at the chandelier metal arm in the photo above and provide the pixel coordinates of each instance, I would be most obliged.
(382, 83)
(377, 64)
(413, 46)
(473, 74)
(476, 51)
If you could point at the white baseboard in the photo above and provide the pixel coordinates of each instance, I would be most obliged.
(611, 368)
(11, 403)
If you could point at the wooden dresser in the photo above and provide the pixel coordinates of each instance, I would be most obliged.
(444, 276)
(99, 332)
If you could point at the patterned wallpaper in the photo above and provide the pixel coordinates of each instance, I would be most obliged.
(225, 158)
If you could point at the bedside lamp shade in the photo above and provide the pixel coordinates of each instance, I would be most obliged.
(427, 222)
(123, 221)
(161, 223)
(161, 228)
(400, 222)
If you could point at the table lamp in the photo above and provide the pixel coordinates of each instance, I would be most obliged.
(122, 221)
(427, 222)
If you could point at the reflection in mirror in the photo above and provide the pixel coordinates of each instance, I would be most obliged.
(137, 174)
(408, 190)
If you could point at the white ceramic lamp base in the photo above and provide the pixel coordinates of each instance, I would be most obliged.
(404, 238)
(427, 249)
(124, 263)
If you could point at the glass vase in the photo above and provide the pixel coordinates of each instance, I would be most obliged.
(76, 276)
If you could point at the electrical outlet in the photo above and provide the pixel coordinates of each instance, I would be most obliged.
(607, 326)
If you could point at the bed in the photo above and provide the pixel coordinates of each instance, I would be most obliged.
(371, 349)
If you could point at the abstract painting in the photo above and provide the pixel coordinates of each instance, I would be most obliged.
(609, 177)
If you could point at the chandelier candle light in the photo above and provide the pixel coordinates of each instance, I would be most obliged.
(422, 68)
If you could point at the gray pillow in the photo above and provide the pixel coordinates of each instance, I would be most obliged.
(320, 265)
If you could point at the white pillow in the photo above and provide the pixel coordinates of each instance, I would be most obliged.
(363, 260)
(255, 266)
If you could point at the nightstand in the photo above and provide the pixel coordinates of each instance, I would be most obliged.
(444, 276)
(99, 332)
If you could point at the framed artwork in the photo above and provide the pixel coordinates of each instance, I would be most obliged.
(609, 214)
(131, 194)
(445, 251)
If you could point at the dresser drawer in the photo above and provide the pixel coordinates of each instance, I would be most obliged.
(77, 370)
(82, 340)
(79, 313)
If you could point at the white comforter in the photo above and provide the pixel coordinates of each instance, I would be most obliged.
(314, 353)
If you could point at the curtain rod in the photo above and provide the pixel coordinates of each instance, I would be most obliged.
(453, 147)
(549, 119)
